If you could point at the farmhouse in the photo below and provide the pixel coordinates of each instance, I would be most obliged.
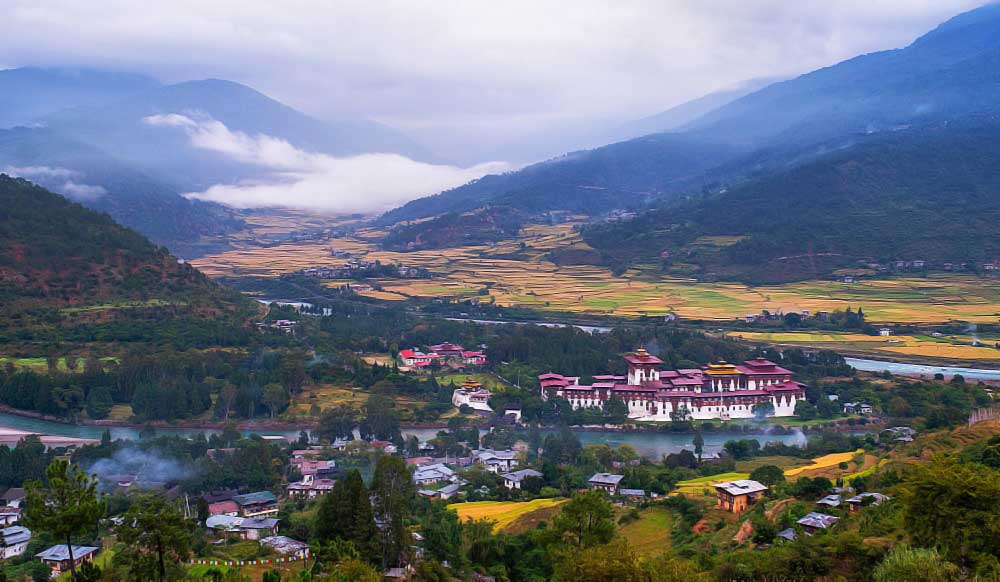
(497, 461)
(716, 391)
(474, 358)
(9, 515)
(430, 474)
(737, 496)
(260, 504)
(447, 350)
(286, 546)
(14, 541)
(868, 498)
(814, 522)
(310, 487)
(57, 557)
(857, 408)
(605, 482)
(514, 480)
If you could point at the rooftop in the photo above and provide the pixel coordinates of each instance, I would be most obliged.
(741, 487)
(60, 553)
(606, 478)
(818, 520)
(258, 497)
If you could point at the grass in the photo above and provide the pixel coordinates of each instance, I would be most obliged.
(954, 347)
(41, 365)
(650, 536)
(699, 485)
(503, 513)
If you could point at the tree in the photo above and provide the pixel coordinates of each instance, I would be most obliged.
(763, 410)
(616, 411)
(337, 423)
(68, 506)
(614, 562)
(699, 445)
(963, 520)
(392, 487)
(275, 398)
(769, 475)
(586, 521)
(157, 539)
(805, 410)
(346, 513)
(381, 420)
(906, 563)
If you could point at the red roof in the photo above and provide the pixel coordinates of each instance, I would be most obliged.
(647, 359)
(550, 376)
(407, 354)
(222, 507)
(473, 355)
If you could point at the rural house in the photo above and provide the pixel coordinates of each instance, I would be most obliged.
(259, 504)
(605, 482)
(515, 479)
(814, 522)
(737, 496)
(57, 557)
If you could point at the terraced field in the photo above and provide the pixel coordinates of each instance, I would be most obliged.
(519, 273)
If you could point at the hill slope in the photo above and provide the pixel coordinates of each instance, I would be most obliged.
(68, 273)
(930, 193)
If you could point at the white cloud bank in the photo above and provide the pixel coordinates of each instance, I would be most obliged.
(299, 179)
(61, 180)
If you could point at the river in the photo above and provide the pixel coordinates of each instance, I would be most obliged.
(922, 370)
(648, 444)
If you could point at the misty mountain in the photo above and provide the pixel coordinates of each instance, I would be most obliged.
(118, 128)
(29, 93)
(925, 193)
(90, 176)
(949, 73)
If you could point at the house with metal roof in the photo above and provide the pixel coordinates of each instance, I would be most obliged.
(286, 546)
(864, 499)
(57, 557)
(14, 541)
(814, 522)
(605, 482)
(830, 501)
(258, 504)
(514, 479)
(436, 473)
(737, 496)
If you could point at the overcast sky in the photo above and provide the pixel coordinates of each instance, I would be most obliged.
(475, 80)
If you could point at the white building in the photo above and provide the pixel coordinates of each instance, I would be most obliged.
(515, 479)
(14, 541)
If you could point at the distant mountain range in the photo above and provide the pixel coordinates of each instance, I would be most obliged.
(757, 166)
(85, 128)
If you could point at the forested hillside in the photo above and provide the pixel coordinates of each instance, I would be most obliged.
(926, 194)
(68, 273)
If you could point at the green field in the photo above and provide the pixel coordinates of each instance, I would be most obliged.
(650, 536)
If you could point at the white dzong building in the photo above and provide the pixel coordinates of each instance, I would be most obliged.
(716, 391)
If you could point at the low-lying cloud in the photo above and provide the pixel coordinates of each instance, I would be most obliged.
(60, 180)
(296, 178)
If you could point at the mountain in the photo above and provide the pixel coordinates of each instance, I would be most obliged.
(625, 175)
(29, 93)
(118, 128)
(90, 176)
(688, 112)
(926, 193)
(70, 274)
(949, 73)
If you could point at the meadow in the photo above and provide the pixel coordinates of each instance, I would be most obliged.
(520, 273)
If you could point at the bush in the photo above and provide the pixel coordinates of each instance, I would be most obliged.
(906, 563)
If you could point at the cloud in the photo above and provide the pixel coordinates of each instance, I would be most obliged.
(299, 179)
(468, 77)
(60, 180)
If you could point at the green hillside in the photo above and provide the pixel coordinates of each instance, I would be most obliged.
(926, 194)
(70, 274)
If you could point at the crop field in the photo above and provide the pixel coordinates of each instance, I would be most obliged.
(650, 536)
(824, 462)
(692, 487)
(504, 513)
(955, 347)
(517, 275)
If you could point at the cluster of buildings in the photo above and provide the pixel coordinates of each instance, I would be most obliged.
(359, 268)
(285, 326)
(716, 391)
(441, 354)
(473, 395)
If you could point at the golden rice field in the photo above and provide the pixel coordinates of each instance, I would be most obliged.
(824, 462)
(536, 282)
(956, 347)
(503, 513)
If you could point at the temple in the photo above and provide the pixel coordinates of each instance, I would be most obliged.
(716, 391)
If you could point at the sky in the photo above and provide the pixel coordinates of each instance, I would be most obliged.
(475, 81)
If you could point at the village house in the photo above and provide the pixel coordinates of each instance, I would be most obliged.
(857, 408)
(9, 515)
(885, 331)
(716, 391)
(633, 495)
(446, 492)
(865, 499)
(474, 358)
(310, 487)
(430, 474)
(814, 522)
(285, 326)
(248, 528)
(12, 497)
(57, 557)
(14, 541)
(314, 466)
(831, 501)
(787, 535)
(515, 479)
(259, 504)
(497, 461)
(447, 350)
(605, 482)
(227, 507)
(737, 496)
(286, 546)
(417, 359)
